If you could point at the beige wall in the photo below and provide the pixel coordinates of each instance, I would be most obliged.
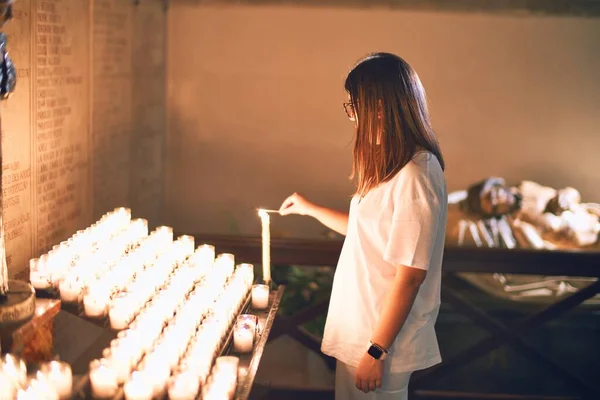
(255, 94)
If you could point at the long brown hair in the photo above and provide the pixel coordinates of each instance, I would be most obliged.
(392, 119)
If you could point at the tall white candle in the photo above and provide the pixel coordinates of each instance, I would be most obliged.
(266, 244)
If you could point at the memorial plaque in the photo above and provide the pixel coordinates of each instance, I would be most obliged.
(17, 144)
(62, 139)
(149, 109)
(111, 104)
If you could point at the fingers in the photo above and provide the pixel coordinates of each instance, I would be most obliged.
(372, 386)
(284, 209)
(288, 205)
(367, 386)
(359, 385)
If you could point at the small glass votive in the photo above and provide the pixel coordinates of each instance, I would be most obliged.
(157, 376)
(14, 368)
(42, 387)
(119, 361)
(244, 333)
(184, 386)
(103, 380)
(189, 243)
(260, 297)
(142, 226)
(59, 375)
(166, 232)
(7, 389)
(247, 271)
(38, 276)
(119, 314)
(205, 255)
(70, 290)
(95, 303)
(226, 263)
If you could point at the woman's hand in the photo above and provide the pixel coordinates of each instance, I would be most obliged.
(368, 374)
(296, 204)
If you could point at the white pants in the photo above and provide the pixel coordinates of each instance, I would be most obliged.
(393, 386)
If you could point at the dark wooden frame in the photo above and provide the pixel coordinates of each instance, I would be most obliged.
(581, 8)
(456, 260)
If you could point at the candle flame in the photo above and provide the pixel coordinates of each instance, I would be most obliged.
(263, 213)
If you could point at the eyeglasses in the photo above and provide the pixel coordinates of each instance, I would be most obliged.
(350, 110)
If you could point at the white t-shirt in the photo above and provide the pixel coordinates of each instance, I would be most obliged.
(401, 222)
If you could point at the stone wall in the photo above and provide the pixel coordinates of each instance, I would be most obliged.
(84, 132)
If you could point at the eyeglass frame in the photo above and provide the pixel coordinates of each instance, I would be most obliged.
(350, 105)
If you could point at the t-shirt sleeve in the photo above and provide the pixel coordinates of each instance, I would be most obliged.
(414, 226)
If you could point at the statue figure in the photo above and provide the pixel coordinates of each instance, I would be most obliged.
(8, 78)
(492, 214)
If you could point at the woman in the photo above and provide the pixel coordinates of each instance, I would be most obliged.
(386, 290)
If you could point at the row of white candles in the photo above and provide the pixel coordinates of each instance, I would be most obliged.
(175, 303)
(179, 331)
(90, 254)
(53, 381)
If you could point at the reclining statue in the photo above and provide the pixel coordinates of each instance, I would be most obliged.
(529, 215)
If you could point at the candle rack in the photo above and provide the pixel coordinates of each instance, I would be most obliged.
(248, 363)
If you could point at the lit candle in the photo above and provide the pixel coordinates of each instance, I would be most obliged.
(141, 225)
(225, 263)
(188, 241)
(157, 376)
(7, 388)
(184, 387)
(59, 375)
(15, 369)
(266, 245)
(103, 380)
(38, 276)
(205, 255)
(260, 297)
(42, 388)
(166, 232)
(118, 315)
(70, 289)
(96, 302)
(247, 271)
(243, 334)
(138, 388)
(229, 363)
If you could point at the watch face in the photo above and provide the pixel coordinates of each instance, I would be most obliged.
(375, 352)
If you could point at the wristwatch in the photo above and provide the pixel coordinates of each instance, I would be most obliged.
(376, 351)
